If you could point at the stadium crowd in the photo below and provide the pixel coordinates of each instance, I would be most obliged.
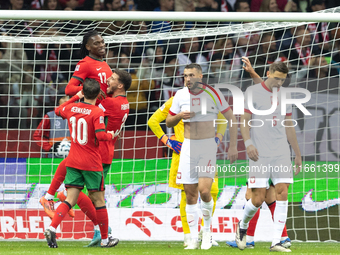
(36, 71)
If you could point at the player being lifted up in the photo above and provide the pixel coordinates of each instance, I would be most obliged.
(84, 167)
(91, 66)
(199, 148)
(268, 146)
(176, 144)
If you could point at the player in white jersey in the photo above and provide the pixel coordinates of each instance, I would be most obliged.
(269, 152)
(198, 105)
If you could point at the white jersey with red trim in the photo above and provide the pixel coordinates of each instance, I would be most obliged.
(267, 131)
(212, 98)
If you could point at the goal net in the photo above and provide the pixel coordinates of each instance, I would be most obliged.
(38, 57)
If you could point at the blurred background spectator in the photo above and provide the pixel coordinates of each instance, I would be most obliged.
(190, 53)
(242, 6)
(269, 6)
(26, 95)
(52, 129)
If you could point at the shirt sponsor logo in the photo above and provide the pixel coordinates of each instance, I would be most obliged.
(98, 69)
(81, 110)
(125, 107)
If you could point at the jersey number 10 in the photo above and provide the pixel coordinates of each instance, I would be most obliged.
(81, 127)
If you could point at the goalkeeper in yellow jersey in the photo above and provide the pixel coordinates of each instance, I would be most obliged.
(176, 144)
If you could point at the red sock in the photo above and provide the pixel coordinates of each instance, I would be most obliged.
(252, 224)
(58, 178)
(60, 213)
(272, 209)
(103, 221)
(85, 204)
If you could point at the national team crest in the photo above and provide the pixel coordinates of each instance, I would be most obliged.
(196, 101)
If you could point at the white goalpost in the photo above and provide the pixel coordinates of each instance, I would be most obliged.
(39, 51)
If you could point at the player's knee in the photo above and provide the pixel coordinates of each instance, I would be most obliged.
(205, 195)
(282, 195)
(257, 200)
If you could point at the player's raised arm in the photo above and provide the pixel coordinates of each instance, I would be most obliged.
(291, 137)
(252, 152)
(248, 68)
(78, 96)
(73, 87)
(232, 152)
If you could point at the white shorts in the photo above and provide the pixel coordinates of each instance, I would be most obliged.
(197, 160)
(278, 169)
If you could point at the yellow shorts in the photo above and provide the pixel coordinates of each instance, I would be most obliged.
(173, 175)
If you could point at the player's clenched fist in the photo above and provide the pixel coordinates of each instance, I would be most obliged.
(176, 146)
(252, 152)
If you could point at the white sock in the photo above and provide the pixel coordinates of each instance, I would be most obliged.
(49, 196)
(52, 229)
(280, 217)
(248, 213)
(105, 241)
(192, 218)
(96, 227)
(207, 209)
(250, 239)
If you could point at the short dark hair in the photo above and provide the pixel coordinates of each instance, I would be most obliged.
(194, 66)
(237, 4)
(279, 67)
(91, 88)
(124, 77)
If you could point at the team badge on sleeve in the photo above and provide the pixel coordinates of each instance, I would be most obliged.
(77, 68)
(101, 119)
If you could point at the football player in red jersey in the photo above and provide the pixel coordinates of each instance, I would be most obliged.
(86, 124)
(116, 110)
(91, 66)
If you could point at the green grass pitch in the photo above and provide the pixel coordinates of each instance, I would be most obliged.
(126, 248)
